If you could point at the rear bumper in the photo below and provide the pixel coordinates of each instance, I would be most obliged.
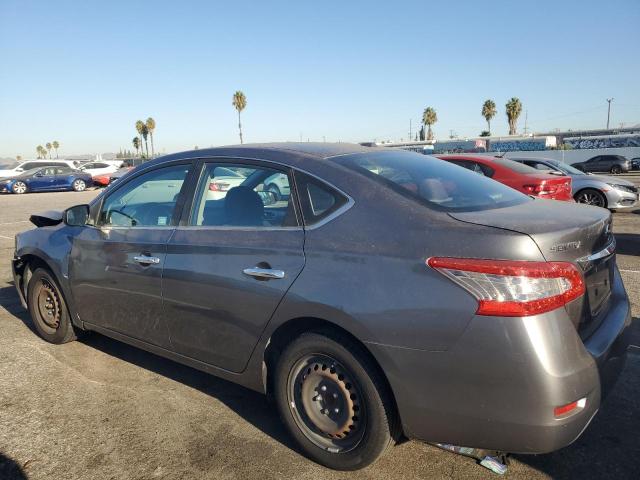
(497, 387)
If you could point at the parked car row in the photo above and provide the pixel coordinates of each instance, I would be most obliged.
(389, 294)
(601, 191)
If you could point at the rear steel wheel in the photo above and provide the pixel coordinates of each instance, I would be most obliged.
(334, 400)
(19, 187)
(591, 197)
(325, 402)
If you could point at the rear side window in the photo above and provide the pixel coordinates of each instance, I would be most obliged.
(435, 183)
(318, 199)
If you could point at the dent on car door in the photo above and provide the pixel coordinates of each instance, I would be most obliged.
(116, 265)
(229, 264)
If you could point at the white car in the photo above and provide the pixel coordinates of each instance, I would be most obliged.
(18, 168)
(98, 168)
(223, 181)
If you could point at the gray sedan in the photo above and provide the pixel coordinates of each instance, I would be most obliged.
(599, 190)
(389, 295)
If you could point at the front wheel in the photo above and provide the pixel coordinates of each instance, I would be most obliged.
(334, 401)
(48, 308)
(79, 185)
(591, 196)
(19, 187)
(616, 169)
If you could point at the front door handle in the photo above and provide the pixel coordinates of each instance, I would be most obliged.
(264, 273)
(145, 260)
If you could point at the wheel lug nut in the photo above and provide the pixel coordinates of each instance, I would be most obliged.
(335, 395)
(323, 388)
(336, 410)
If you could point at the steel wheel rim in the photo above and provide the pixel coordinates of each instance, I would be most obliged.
(48, 306)
(326, 403)
(594, 199)
(19, 187)
(79, 185)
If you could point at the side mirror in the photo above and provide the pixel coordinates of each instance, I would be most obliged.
(268, 198)
(76, 216)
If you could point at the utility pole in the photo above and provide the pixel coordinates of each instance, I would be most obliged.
(526, 118)
(609, 100)
(410, 136)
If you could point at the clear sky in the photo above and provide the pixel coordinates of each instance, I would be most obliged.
(82, 72)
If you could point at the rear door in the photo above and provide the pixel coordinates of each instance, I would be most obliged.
(44, 178)
(116, 265)
(230, 262)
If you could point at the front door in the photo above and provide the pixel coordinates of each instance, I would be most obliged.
(229, 266)
(116, 265)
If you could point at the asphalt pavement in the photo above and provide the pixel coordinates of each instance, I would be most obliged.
(97, 408)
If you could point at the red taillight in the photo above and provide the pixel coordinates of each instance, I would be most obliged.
(219, 187)
(513, 288)
(569, 407)
(541, 189)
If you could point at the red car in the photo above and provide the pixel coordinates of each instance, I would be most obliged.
(516, 175)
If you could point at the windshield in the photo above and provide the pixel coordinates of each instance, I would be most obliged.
(566, 168)
(436, 183)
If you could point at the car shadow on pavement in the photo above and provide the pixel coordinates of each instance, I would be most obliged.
(10, 470)
(254, 407)
(627, 243)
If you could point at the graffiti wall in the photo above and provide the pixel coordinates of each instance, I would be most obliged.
(617, 141)
(533, 144)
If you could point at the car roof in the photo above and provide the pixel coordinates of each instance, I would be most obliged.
(317, 150)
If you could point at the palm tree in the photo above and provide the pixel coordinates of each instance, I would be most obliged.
(429, 117)
(39, 149)
(513, 110)
(140, 127)
(151, 126)
(488, 112)
(19, 158)
(136, 144)
(145, 135)
(240, 103)
(56, 145)
(49, 147)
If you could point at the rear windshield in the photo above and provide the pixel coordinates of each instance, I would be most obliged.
(436, 183)
(515, 166)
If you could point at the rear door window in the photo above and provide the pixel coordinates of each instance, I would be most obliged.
(433, 182)
(243, 195)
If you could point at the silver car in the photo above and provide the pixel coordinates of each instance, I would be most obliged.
(599, 190)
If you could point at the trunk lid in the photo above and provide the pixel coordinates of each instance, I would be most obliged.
(564, 232)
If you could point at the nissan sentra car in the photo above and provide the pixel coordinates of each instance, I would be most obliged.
(390, 295)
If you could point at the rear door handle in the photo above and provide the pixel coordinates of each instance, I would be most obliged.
(145, 260)
(265, 273)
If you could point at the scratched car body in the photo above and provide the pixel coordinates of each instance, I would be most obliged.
(389, 294)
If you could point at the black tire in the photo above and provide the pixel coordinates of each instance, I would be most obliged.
(48, 308)
(344, 367)
(79, 185)
(591, 196)
(616, 169)
(273, 188)
(19, 187)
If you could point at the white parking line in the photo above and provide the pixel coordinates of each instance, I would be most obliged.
(630, 271)
(15, 223)
(8, 238)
